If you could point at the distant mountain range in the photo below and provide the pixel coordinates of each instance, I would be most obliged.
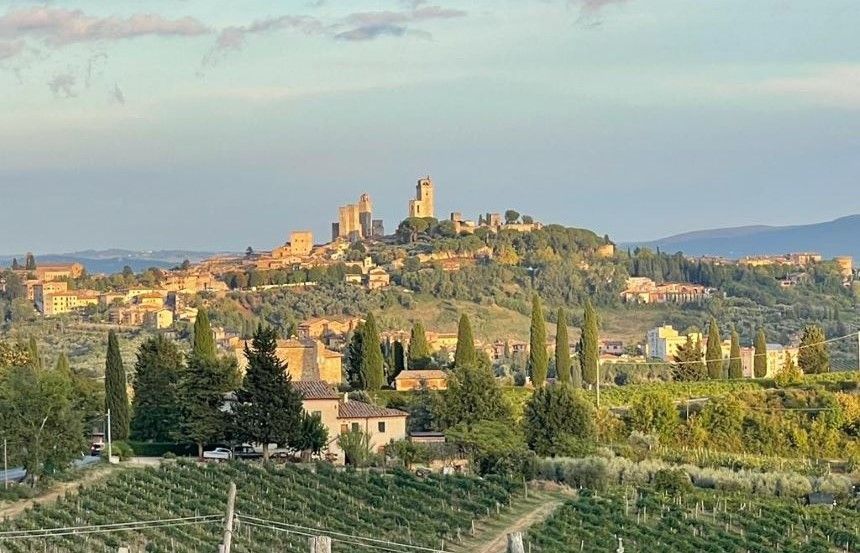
(113, 261)
(838, 237)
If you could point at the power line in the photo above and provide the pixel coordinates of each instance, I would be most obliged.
(340, 540)
(108, 530)
(108, 527)
(248, 519)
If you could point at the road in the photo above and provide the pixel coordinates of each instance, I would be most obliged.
(18, 474)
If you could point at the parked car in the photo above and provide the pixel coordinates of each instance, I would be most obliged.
(218, 454)
(96, 449)
(246, 452)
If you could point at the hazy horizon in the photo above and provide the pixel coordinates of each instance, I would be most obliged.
(212, 125)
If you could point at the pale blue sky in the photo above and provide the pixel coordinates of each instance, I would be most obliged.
(218, 124)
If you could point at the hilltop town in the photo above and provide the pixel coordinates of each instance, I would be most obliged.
(360, 254)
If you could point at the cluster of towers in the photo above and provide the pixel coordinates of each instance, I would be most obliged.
(356, 222)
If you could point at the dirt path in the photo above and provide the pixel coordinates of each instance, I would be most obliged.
(55, 492)
(499, 541)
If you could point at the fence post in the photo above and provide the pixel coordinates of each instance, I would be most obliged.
(515, 543)
(320, 544)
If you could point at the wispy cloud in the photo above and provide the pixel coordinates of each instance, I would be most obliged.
(371, 25)
(58, 26)
(594, 6)
(117, 94)
(11, 49)
(235, 37)
(62, 85)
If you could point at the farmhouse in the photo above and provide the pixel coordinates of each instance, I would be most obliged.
(340, 414)
(412, 380)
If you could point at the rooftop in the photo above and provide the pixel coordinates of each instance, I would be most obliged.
(315, 390)
(421, 374)
(360, 410)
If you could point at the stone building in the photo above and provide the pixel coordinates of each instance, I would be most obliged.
(306, 359)
(433, 379)
(423, 204)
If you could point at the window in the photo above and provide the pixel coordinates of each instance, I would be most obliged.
(344, 428)
(381, 426)
(316, 414)
(355, 427)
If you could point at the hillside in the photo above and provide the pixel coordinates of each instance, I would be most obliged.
(831, 238)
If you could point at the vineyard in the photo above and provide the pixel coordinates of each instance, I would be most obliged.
(277, 508)
(694, 522)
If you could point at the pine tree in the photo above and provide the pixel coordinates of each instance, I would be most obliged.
(812, 355)
(789, 373)
(268, 409)
(372, 372)
(204, 340)
(589, 349)
(562, 348)
(736, 368)
(538, 358)
(465, 354)
(689, 365)
(714, 351)
(116, 392)
(419, 349)
(473, 395)
(760, 355)
(155, 407)
(200, 394)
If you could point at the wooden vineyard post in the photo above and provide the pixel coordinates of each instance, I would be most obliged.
(320, 544)
(227, 541)
(515, 543)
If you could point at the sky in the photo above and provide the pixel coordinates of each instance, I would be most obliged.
(216, 124)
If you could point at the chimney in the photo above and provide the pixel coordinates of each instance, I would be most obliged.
(346, 397)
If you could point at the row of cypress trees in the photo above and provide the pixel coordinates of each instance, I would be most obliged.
(589, 349)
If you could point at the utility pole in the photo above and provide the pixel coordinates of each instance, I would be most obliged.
(5, 467)
(227, 541)
(110, 451)
(598, 382)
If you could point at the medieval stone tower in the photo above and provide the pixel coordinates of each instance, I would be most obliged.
(422, 205)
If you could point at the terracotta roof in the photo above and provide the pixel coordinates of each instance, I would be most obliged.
(421, 374)
(315, 389)
(360, 410)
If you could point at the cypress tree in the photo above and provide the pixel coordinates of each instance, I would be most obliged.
(30, 262)
(465, 355)
(62, 365)
(562, 348)
(116, 393)
(714, 351)
(760, 355)
(372, 372)
(33, 352)
(736, 368)
(204, 341)
(538, 358)
(419, 349)
(589, 349)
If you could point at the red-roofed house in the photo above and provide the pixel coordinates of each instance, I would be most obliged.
(339, 414)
